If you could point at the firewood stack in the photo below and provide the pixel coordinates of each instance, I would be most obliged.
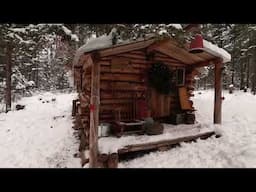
(108, 160)
(82, 116)
(190, 82)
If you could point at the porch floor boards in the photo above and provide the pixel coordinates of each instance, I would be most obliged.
(173, 134)
(165, 144)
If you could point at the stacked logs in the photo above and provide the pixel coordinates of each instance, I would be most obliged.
(104, 160)
(81, 107)
(190, 82)
(81, 124)
(108, 160)
(84, 116)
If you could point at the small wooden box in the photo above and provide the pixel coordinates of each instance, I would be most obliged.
(190, 118)
(178, 118)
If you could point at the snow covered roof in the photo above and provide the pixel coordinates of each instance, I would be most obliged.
(102, 42)
(215, 50)
(105, 41)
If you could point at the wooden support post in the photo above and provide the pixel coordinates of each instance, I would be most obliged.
(94, 115)
(218, 90)
(113, 160)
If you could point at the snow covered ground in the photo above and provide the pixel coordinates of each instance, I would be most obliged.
(41, 135)
(235, 149)
(34, 138)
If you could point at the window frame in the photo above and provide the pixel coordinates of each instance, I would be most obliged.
(178, 78)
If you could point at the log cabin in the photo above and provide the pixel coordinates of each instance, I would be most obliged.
(114, 87)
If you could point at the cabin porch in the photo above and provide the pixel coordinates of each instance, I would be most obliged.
(113, 150)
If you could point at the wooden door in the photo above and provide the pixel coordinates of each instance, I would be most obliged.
(160, 104)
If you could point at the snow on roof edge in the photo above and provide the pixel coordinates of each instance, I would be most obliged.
(102, 42)
(216, 51)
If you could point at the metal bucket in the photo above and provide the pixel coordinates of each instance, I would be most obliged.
(103, 130)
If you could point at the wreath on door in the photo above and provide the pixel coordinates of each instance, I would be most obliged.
(159, 77)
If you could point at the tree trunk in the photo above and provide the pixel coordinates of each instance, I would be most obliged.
(248, 72)
(233, 72)
(37, 76)
(242, 76)
(254, 76)
(8, 96)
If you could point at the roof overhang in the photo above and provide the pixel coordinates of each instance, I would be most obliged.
(167, 46)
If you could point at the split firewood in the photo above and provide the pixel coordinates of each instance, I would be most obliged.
(113, 160)
(103, 161)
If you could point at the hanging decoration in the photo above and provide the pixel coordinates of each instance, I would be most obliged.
(159, 77)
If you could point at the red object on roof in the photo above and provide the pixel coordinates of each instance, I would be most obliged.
(196, 44)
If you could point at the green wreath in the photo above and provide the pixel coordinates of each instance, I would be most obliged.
(159, 77)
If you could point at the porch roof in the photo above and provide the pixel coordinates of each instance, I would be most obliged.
(168, 46)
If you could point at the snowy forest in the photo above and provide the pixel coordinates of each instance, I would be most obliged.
(36, 64)
(41, 55)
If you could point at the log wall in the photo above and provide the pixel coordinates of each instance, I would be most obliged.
(123, 80)
(121, 84)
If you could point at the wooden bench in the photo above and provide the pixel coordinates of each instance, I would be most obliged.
(127, 120)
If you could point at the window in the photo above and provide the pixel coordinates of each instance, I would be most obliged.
(180, 77)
